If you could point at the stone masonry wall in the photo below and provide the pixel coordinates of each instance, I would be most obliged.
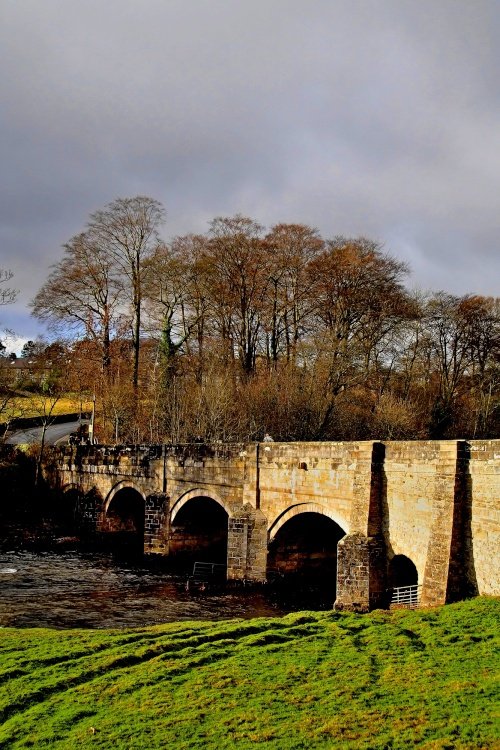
(442, 510)
(219, 472)
(482, 521)
(337, 480)
(103, 470)
(408, 498)
(332, 475)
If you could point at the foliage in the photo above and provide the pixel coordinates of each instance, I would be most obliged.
(308, 680)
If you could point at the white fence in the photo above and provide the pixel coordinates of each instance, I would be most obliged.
(406, 596)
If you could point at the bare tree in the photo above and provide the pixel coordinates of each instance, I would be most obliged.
(127, 231)
(359, 299)
(7, 294)
(43, 405)
(171, 305)
(82, 294)
(483, 315)
(238, 265)
(290, 295)
(464, 343)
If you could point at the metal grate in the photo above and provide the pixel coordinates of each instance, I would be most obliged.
(406, 596)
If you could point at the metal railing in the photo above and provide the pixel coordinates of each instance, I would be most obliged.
(206, 572)
(405, 597)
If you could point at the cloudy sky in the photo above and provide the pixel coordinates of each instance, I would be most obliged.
(359, 117)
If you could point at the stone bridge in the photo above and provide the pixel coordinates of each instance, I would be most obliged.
(367, 516)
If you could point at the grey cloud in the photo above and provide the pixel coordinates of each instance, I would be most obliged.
(377, 118)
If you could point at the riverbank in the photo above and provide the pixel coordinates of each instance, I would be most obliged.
(404, 679)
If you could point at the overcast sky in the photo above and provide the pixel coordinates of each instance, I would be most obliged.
(372, 117)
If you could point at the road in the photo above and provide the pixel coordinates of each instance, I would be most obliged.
(56, 433)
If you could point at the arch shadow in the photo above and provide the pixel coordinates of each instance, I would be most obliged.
(302, 555)
(198, 530)
(122, 485)
(66, 507)
(124, 518)
(402, 571)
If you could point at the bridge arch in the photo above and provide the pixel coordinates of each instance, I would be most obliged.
(302, 553)
(71, 487)
(69, 503)
(124, 516)
(199, 528)
(295, 510)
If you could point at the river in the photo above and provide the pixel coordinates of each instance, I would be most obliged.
(74, 589)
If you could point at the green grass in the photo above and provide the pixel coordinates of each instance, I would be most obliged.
(426, 679)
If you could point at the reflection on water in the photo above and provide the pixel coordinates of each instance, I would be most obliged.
(98, 590)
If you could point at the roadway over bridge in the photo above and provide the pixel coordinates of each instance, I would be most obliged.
(367, 515)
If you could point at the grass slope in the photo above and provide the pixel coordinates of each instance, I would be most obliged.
(424, 679)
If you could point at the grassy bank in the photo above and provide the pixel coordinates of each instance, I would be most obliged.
(309, 680)
(36, 406)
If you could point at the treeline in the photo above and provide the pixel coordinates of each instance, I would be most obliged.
(243, 330)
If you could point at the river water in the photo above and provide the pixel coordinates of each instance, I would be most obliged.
(99, 590)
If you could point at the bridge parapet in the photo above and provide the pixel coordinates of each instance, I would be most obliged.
(200, 451)
(191, 454)
(105, 453)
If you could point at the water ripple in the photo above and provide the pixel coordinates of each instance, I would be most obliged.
(81, 589)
